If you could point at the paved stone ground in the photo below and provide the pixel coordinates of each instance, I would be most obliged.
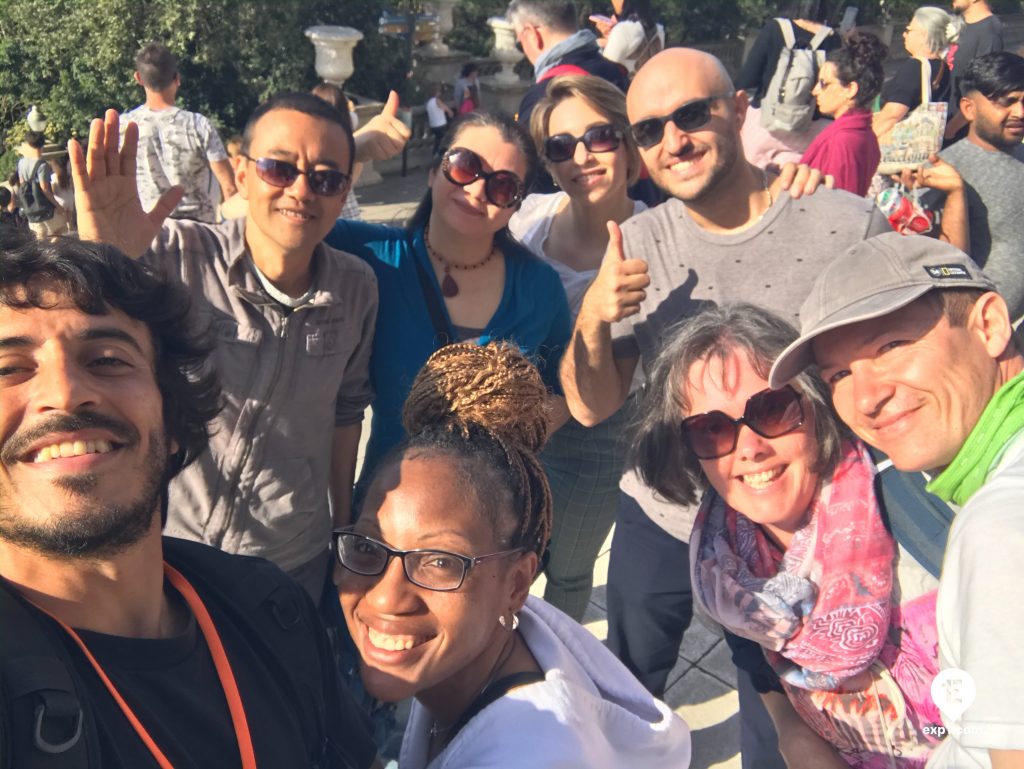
(702, 686)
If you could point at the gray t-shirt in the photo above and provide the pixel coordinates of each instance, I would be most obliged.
(773, 263)
(993, 183)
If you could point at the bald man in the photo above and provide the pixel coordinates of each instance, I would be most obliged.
(729, 233)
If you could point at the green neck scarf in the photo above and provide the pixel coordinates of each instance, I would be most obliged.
(1002, 418)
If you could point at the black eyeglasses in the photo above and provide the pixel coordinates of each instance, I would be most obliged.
(689, 117)
(823, 83)
(326, 182)
(599, 138)
(463, 167)
(432, 569)
(769, 413)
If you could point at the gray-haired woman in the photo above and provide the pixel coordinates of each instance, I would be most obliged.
(789, 548)
(926, 39)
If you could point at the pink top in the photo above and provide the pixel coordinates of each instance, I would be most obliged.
(847, 149)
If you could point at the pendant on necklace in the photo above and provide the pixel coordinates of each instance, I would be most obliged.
(448, 286)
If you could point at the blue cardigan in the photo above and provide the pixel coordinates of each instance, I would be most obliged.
(533, 313)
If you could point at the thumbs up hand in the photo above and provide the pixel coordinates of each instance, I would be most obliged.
(384, 135)
(618, 289)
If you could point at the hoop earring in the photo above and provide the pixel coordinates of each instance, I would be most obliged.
(502, 622)
(515, 621)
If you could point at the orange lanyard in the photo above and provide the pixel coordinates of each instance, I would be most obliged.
(220, 661)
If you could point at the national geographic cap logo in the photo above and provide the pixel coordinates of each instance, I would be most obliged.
(947, 272)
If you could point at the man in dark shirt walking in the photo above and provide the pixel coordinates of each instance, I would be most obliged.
(982, 33)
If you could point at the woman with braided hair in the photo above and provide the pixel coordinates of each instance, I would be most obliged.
(434, 581)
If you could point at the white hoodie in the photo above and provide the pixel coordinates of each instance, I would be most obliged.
(589, 711)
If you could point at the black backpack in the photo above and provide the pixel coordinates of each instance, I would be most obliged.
(42, 722)
(34, 205)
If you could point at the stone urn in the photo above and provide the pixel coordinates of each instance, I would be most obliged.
(445, 23)
(334, 52)
(505, 50)
(36, 119)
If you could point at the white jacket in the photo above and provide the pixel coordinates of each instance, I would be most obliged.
(589, 711)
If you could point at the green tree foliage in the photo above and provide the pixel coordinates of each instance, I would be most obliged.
(74, 58)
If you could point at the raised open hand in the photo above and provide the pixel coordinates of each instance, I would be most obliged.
(107, 194)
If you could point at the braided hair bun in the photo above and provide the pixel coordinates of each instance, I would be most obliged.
(488, 406)
(492, 386)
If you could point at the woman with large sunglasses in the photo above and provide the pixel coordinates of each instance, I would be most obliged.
(789, 549)
(582, 132)
(455, 273)
(433, 581)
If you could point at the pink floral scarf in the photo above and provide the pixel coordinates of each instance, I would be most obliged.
(826, 607)
(824, 613)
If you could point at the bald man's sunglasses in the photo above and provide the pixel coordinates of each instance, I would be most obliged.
(326, 182)
(689, 117)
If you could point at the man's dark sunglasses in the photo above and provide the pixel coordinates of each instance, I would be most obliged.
(689, 117)
(326, 182)
(462, 167)
(769, 413)
(599, 138)
(432, 569)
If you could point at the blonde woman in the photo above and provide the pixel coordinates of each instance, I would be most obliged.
(582, 134)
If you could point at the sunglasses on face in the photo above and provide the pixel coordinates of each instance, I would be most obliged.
(689, 117)
(462, 167)
(430, 569)
(769, 413)
(599, 138)
(326, 182)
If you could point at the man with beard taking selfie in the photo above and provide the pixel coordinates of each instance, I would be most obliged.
(121, 647)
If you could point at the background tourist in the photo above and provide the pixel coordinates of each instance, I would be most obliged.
(847, 150)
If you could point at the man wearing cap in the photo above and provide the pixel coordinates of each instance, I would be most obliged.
(731, 233)
(918, 349)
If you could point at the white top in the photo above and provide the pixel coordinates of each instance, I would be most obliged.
(531, 226)
(435, 115)
(626, 41)
(65, 196)
(589, 711)
(981, 616)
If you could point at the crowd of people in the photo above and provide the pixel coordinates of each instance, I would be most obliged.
(622, 310)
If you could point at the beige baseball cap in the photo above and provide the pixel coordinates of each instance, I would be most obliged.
(874, 278)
